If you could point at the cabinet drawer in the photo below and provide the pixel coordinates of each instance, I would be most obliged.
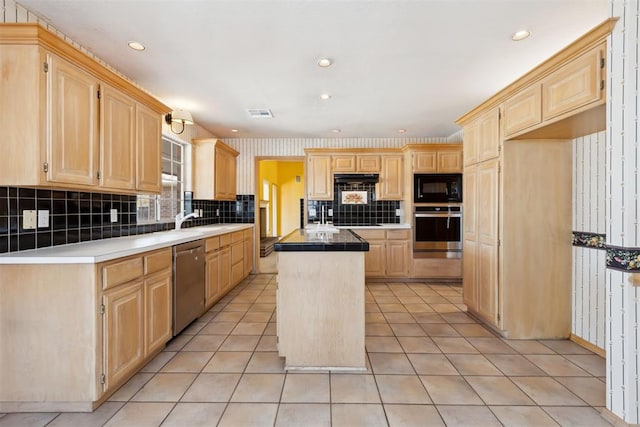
(398, 234)
(225, 239)
(212, 243)
(236, 236)
(121, 272)
(156, 261)
(371, 234)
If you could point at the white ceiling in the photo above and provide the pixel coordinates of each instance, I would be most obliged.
(415, 65)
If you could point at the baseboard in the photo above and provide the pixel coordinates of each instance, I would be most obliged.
(614, 419)
(589, 346)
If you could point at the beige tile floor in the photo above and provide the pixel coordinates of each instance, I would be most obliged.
(429, 364)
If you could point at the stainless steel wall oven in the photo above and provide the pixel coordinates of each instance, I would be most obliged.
(437, 228)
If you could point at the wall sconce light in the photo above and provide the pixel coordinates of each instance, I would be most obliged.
(178, 116)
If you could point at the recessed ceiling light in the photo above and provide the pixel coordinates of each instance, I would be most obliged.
(402, 130)
(336, 130)
(324, 62)
(234, 130)
(325, 96)
(136, 46)
(520, 35)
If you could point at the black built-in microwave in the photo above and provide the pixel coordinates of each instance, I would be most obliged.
(437, 188)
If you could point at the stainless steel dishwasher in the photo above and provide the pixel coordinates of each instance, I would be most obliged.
(188, 284)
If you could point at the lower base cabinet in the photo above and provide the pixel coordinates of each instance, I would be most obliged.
(389, 252)
(229, 259)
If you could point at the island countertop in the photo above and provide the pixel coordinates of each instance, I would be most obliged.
(302, 240)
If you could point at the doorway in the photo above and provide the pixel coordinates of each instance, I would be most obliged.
(280, 185)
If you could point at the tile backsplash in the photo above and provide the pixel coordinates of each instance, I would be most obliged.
(373, 212)
(82, 216)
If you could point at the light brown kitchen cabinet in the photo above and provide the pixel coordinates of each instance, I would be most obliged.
(470, 146)
(389, 252)
(362, 163)
(523, 110)
(488, 140)
(436, 158)
(391, 178)
(71, 116)
(117, 139)
(212, 290)
(398, 253)
(123, 332)
(237, 257)
(158, 314)
(149, 157)
(225, 268)
(319, 177)
(214, 170)
(73, 143)
(248, 251)
(575, 85)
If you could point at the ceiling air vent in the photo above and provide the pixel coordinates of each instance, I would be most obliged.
(260, 113)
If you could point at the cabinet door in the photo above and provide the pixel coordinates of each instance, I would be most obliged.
(225, 269)
(574, 85)
(470, 239)
(248, 252)
(149, 140)
(449, 161)
(523, 110)
(123, 332)
(398, 258)
(344, 163)
(158, 314)
(426, 161)
(470, 146)
(73, 141)
(391, 178)
(117, 136)
(225, 175)
(488, 141)
(368, 163)
(320, 180)
(212, 290)
(487, 201)
(375, 259)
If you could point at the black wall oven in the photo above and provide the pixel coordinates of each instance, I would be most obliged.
(437, 228)
(437, 188)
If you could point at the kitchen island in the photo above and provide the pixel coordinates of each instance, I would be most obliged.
(320, 300)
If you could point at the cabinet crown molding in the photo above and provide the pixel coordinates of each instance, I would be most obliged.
(36, 35)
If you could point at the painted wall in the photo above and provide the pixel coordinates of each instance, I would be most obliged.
(283, 174)
(588, 287)
(622, 206)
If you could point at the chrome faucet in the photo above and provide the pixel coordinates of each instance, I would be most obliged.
(180, 218)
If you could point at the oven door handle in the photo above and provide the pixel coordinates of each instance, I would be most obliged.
(437, 215)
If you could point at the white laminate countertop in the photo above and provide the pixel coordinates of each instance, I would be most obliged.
(376, 227)
(107, 249)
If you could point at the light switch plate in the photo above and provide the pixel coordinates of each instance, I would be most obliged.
(330, 212)
(43, 219)
(398, 212)
(114, 215)
(29, 220)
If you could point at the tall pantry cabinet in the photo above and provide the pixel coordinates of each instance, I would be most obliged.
(517, 186)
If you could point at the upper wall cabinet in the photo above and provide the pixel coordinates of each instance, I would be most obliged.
(69, 122)
(436, 158)
(319, 177)
(560, 105)
(214, 170)
(365, 163)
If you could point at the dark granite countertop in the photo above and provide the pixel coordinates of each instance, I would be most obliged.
(302, 240)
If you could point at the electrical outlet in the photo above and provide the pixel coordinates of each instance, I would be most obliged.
(398, 212)
(330, 212)
(217, 212)
(43, 219)
(114, 215)
(29, 220)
